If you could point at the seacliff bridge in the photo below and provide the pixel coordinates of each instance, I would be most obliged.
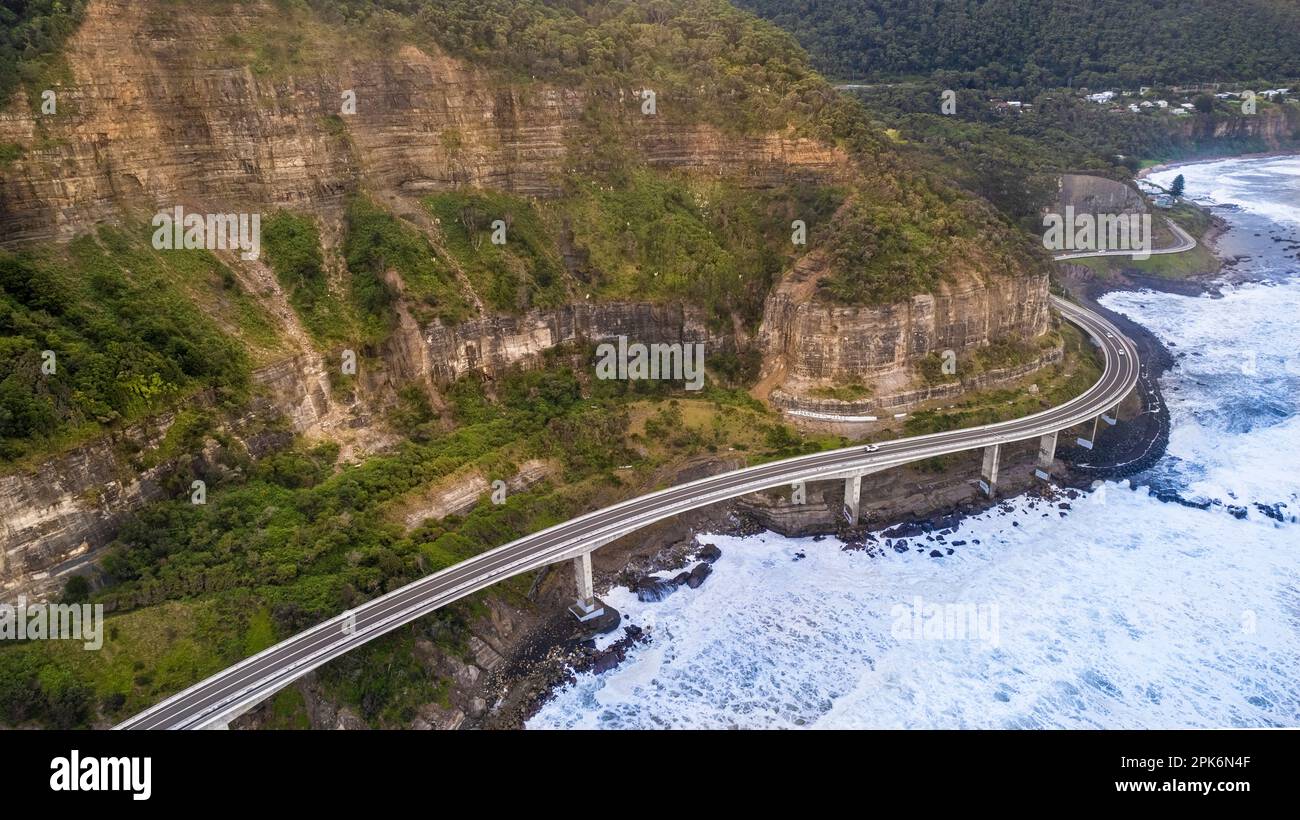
(215, 701)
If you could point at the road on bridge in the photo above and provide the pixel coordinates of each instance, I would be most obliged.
(229, 692)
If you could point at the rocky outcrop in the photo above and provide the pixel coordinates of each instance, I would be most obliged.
(157, 113)
(898, 494)
(810, 344)
(1270, 128)
(787, 402)
(494, 343)
(1097, 195)
(56, 516)
(459, 493)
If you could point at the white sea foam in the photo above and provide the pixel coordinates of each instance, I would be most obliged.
(1126, 613)
(1239, 182)
(1100, 625)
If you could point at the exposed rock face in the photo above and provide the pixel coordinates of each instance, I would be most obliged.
(896, 401)
(458, 494)
(55, 517)
(156, 114)
(891, 495)
(1094, 194)
(1271, 128)
(153, 118)
(63, 512)
(809, 343)
(492, 344)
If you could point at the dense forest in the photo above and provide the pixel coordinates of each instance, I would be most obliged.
(30, 32)
(1037, 44)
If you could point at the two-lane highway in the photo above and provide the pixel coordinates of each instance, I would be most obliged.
(258, 677)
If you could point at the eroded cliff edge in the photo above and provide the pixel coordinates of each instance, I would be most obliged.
(163, 109)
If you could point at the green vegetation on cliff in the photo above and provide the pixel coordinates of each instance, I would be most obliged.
(377, 243)
(292, 246)
(31, 34)
(1038, 44)
(523, 272)
(678, 237)
(703, 58)
(127, 336)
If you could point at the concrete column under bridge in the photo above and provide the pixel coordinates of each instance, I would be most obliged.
(587, 607)
(853, 498)
(594, 615)
(1046, 455)
(989, 472)
(1110, 418)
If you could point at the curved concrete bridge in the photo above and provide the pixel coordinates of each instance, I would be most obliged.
(213, 702)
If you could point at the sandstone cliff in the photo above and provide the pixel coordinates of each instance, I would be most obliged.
(811, 347)
(162, 106)
(159, 112)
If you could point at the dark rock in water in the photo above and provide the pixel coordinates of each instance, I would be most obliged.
(632, 631)
(950, 550)
(974, 540)
(1015, 523)
(799, 556)
(1064, 505)
(902, 542)
(948, 522)
(650, 589)
(936, 554)
(697, 575)
(1169, 496)
(709, 552)
(960, 543)
(681, 578)
(907, 529)
(1273, 511)
(606, 662)
(819, 537)
(606, 621)
(1237, 512)
(900, 547)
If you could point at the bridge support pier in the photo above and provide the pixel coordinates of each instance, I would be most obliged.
(1047, 451)
(1092, 438)
(1046, 455)
(989, 472)
(853, 498)
(588, 606)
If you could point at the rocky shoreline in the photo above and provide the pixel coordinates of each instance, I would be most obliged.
(678, 560)
(1122, 451)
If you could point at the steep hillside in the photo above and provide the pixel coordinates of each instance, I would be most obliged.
(1037, 44)
(663, 218)
(379, 220)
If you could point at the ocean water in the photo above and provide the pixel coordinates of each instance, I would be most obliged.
(1121, 611)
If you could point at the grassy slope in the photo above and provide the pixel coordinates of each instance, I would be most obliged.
(129, 337)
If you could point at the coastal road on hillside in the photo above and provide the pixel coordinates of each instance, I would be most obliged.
(1185, 243)
(229, 692)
